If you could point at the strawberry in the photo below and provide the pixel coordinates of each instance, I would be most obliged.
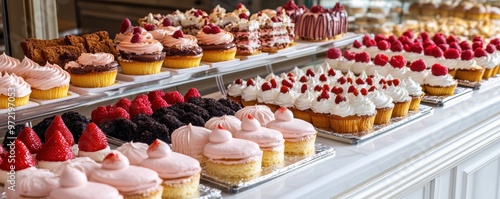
(351, 89)
(418, 65)
(56, 149)
(326, 87)
(92, 139)
(323, 78)
(395, 82)
(266, 86)
(451, 38)
(158, 103)
(207, 30)
(153, 94)
(99, 115)
(451, 53)
(143, 99)
(136, 38)
(424, 35)
(340, 98)
(392, 38)
(465, 45)
(349, 55)
(337, 90)
(443, 47)
(303, 79)
(416, 48)
(150, 27)
(396, 46)
(22, 158)
(138, 107)
(359, 81)
(479, 52)
(372, 88)
(30, 139)
(284, 89)
(408, 34)
(398, 61)
(380, 37)
(342, 80)
(362, 57)
(437, 52)
(166, 22)
(324, 95)
(123, 103)
(369, 81)
(357, 44)
(349, 80)
(380, 60)
(439, 70)
(250, 82)
(125, 25)
(175, 97)
(119, 112)
(490, 48)
(331, 72)
(383, 45)
(192, 93)
(333, 53)
(303, 88)
(467, 55)
(318, 88)
(58, 125)
(310, 72)
(178, 34)
(287, 83)
(455, 45)
(243, 16)
(477, 44)
(215, 30)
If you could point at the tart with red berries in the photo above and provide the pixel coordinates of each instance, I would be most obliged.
(216, 43)
(181, 51)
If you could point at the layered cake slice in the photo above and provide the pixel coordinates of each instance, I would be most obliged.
(246, 37)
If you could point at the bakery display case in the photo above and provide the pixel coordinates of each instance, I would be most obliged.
(439, 147)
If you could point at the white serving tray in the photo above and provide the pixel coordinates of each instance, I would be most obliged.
(28, 105)
(144, 78)
(71, 95)
(83, 91)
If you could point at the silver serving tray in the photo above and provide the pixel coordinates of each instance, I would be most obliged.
(292, 163)
(460, 94)
(377, 129)
(477, 85)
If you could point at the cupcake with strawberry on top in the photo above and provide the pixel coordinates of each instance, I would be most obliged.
(54, 152)
(140, 55)
(181, 51)
(216, 43)
(439, 82)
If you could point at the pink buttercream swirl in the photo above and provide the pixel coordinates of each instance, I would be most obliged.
(268, 139)
(25, 67)
(149, 46)
(186, 42)
(96, 59)
(215, 39)
(48, 77)
(8, 63)
(114, 161)
(22, 88)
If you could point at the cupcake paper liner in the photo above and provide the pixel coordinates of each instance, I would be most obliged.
(53, 93)
(347, 124)
(488, 73)
(302, 114)
(415, 102)
(180, 62)
(401, 109)
(130, 67)
(470, 75)
(218, 55)
(440, 91)
(383, 115)
(18, 101)
(94, 80)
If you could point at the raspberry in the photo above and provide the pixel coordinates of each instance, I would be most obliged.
(357, 44)
(158, 103)
(303, 79)
(125, 25)
(392, 38)
(477, 38)
(243, 16)
(439, 70)
(380, 37)
(365, 40)
(418, 65)
(369, 81)
(349, 80)
(317, 9)
(342, 80)
(119, 112)
(326, 87)
(216, 30)
(166, 22)
(123, 103)
(340, 98)
(396, 46)
(477, 44)
(349, 55)
(331, 72)
(99, 115)
(173, 97)
(153, 94)
(418, 40)
(382, 81)
(303, 88)
(428, 50)
(310, 72)
(137, 30)
(455, 45)
(424, 35)
(239, 6)
(250, 82)
(490, 48)
(465, 45)
(284, 89)
(333, 53)
(406, 47)
(287, 83)
(428, 43)
(137, 108)
(467, 55)
(324, 95)
(178, 34)
(207, 30)
(265, 86)
(110, 109)
(363, 57)
(372, 88)
(451, 53)
(404, 40)
(398, 61)
(451, 39)
(437, 52)
(371, 43)
(479, 52)
(274, 84)
(439, 39)
(416, 48)
(143, 99)
(323, 78)
(192, 93)
(395, 82)
(383, 45)
(136, 38)
(381, 60)
(318, 88)
(337, 90)
(150, 27)
(443, 47)
(408, 34)
(351, 89)
(495, 41)
(359, 81)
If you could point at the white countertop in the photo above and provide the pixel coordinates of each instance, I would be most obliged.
(354, 164)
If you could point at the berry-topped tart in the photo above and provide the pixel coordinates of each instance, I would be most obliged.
(216, 43)
(182, 51)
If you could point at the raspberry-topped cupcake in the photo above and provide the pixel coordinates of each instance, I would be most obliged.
(417, 72)
(158, 31)
(362, 63)
(485, 60)
(467, 68)
(439, 82)
(380, 65)
(127, 31)
(217, 44)
(93, 70)
(451, 57)
(140, 56)
(398, 64)
(182, 51)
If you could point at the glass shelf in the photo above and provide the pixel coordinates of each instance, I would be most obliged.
(305, 49)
